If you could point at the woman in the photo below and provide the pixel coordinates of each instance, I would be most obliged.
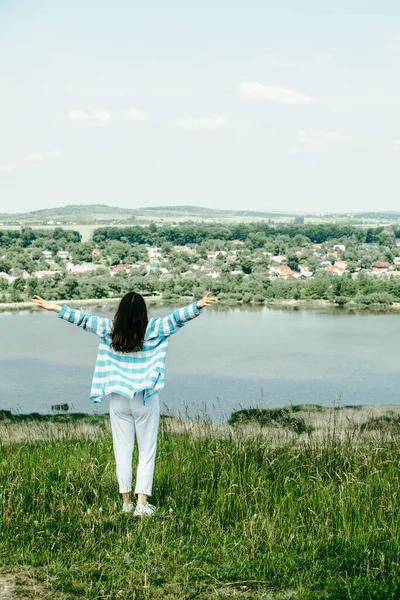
(130, 369)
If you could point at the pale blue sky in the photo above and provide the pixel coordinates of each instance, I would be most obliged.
(246, 104)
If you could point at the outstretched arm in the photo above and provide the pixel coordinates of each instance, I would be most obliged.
(168, 325)
(38, 301)
(98, 325)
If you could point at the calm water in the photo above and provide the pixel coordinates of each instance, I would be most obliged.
(220, 362)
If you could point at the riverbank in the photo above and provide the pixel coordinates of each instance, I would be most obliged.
(111, 303)
(295, 423)
(95, 302)
(242, 511)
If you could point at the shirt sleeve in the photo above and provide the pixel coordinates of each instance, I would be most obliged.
(98, 325)
(165, 326)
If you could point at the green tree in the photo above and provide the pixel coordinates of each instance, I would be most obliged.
(293, 263)
(5, 265)
(19, 284)
(247, 265)
(33, 286)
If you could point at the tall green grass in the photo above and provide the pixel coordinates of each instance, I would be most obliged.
(242, 512)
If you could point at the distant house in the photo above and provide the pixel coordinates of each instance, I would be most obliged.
(211, 253)
(153, 251)
(334, 269)
(397, 260)
(191, 247)
(341, 247)
(153, 266)
(237, 272)
(380, 267)
(96, 252)
(9, 278)
(324, 263)
(47, 253)
(237, 242)
(306, 274)
(340, 265)
(42, 274)
(282, 271)
(213, 273)
(63, 254)
(120, 267)
(81, 268)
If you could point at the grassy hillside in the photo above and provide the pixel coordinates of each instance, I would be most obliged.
(98, 212)
(104, 214)
(80, 213)
(207, 213)
(244, 511)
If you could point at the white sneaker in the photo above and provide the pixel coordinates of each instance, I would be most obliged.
(127, 508)
(144, 509)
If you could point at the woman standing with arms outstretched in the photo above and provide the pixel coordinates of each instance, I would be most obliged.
(130, 369)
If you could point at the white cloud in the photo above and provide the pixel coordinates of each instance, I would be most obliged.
(210, 123)
(39, 156)
(136, 115)
(98, 116)
(293, 150)
(77, 115)
(7, 167)
(319, 137)
(259, 91)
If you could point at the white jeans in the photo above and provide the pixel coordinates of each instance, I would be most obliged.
(130, 416)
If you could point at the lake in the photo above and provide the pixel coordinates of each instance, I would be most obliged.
(224, 360)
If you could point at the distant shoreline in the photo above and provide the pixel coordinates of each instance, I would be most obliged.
(159, 301)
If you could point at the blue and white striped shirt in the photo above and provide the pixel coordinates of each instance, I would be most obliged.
(130, 373)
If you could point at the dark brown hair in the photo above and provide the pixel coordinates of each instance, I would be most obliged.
(130, 323)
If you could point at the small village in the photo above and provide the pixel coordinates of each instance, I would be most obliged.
(212, 264)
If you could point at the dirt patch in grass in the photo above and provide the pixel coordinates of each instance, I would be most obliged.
(7, 585)
(22, 585)
(246, 592)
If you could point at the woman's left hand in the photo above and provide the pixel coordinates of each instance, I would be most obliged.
(206, 301)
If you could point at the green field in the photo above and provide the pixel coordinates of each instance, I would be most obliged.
(244, 511)
(88, 217)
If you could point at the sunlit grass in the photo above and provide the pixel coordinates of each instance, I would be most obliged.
(243, 511)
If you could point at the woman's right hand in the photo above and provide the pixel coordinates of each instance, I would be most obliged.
(38, 301)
